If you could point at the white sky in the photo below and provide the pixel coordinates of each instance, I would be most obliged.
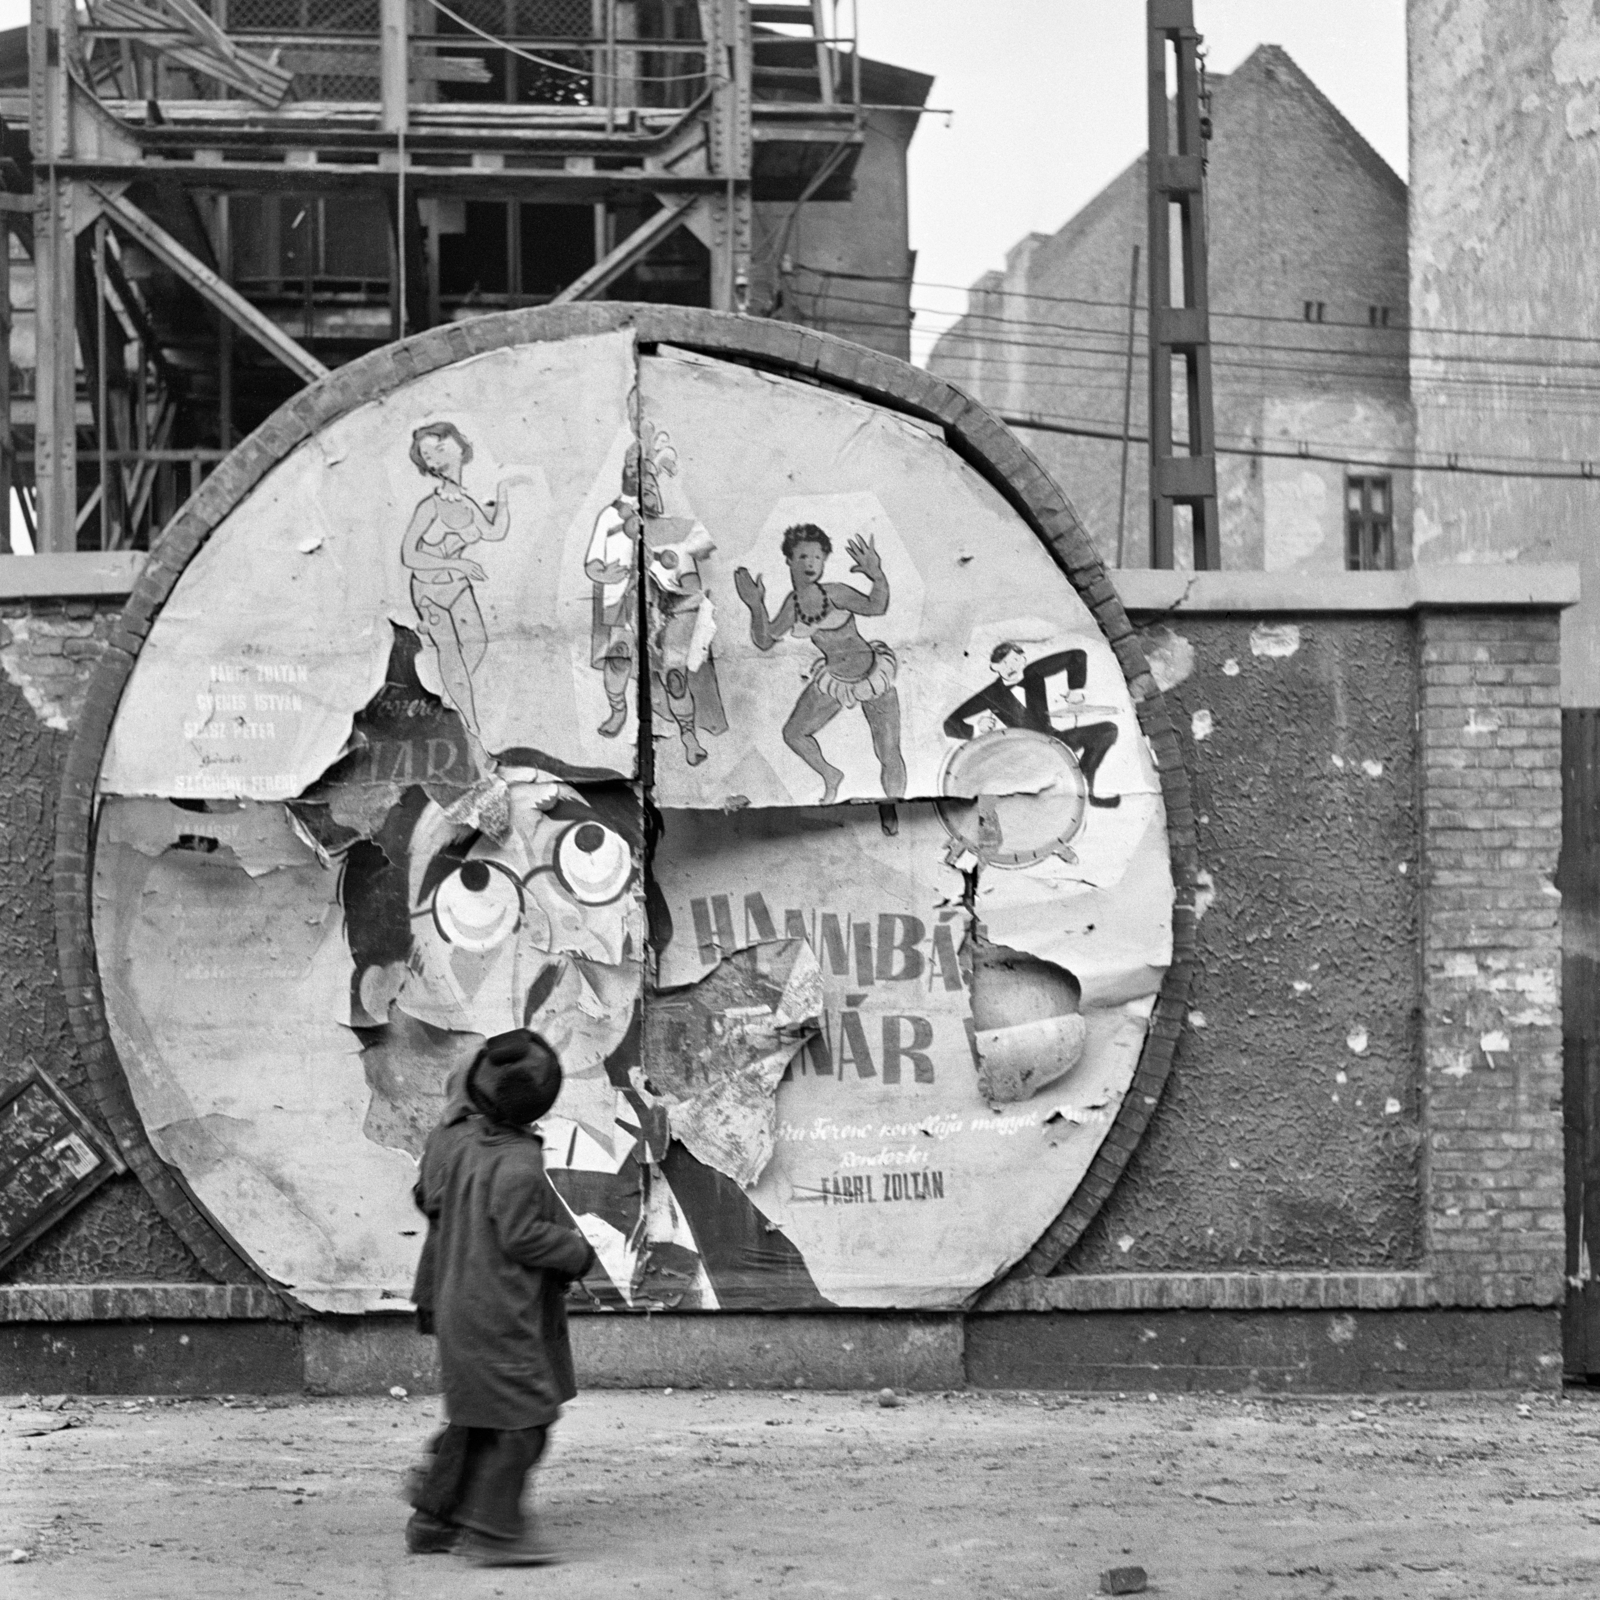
(1049, 104)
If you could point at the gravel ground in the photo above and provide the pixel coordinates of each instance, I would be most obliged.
(750, 1494)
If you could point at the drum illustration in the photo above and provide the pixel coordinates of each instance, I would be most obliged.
(1012, 798)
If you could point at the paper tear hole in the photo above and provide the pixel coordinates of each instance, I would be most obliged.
(200, 843)
(1025, 1015)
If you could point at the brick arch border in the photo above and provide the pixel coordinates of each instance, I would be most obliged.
(782, 348)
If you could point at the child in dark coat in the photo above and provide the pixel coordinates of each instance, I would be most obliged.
(493, 1280)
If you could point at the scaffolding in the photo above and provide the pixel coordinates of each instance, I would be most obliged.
(218, 201)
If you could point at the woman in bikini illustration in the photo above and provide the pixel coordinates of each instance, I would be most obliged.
(850, 671)
(442, 528)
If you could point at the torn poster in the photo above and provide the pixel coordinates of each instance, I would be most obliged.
(717, 1050)
(227, 995)
(895, 1178)
(378, 788)
(462, 507)
(877, 606)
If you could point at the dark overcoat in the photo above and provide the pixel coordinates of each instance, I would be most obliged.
(501, 1252)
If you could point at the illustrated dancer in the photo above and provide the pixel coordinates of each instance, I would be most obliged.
(443, 527)
(611, 566)
(851, 671)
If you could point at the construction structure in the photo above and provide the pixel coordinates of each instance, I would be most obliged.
(217, 201)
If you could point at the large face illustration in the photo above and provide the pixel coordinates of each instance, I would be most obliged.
(732, 733)
(534, 925)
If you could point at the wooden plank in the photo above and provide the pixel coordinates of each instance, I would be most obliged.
(209, 286)
(208, 49)
(1578, 878)
(51, 1158)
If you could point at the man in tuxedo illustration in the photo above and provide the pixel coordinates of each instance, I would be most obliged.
(1017, 697)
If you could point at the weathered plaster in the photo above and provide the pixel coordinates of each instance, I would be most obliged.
(1273, 1146)
(118, 1234)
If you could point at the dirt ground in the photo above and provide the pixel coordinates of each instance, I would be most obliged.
(750, 1494)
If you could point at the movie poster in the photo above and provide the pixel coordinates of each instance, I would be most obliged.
(733, 734)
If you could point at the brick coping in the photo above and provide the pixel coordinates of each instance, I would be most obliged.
(1501, 587)
(71, 575)
(1082, 1293)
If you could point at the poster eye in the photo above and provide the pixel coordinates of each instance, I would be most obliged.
(478, 905)
(594, 862)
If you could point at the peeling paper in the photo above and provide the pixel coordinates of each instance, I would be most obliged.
(1114, 937)
(882, 915)
(718, 1050)
(223, 995)
(882, 694)
(258, 702)
(1015, 1062)
(259, 838)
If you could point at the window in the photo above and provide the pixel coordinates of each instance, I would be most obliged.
(1378, 316)
(1314, 310)
(1369, 524)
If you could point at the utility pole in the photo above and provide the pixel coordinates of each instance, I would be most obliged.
(1176, 173)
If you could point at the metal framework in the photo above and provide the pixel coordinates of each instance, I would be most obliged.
(1181, 331)
(222, 199)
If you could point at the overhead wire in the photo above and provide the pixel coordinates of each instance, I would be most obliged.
(1525, 376)
(1482, 464)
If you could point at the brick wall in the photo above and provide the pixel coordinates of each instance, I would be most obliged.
(1491, 950)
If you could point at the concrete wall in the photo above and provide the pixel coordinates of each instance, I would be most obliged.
(1505, 228)
(48, 650)
(1288, 1135)
(1299, 208)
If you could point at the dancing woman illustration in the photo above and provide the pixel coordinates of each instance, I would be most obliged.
(851, 671)
(442, 528)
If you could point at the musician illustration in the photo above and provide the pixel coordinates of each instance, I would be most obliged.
(850, 671)
(611, 565)
(1018, 697)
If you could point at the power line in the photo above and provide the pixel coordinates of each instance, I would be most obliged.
(1263, 316)
(1586, 471)
(1398, 360)
(1332, 452)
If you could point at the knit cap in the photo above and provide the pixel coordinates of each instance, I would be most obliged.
(515, 1079)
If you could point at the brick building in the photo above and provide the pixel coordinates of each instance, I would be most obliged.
(1308, 292)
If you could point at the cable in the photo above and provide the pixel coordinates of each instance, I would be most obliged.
(1336, 351)
(1394, 368)
(1587, 471)
(1263, 316)
(1307, 450)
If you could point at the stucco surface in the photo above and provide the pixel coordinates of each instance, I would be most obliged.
(1288, 1133)
(118, 1234)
